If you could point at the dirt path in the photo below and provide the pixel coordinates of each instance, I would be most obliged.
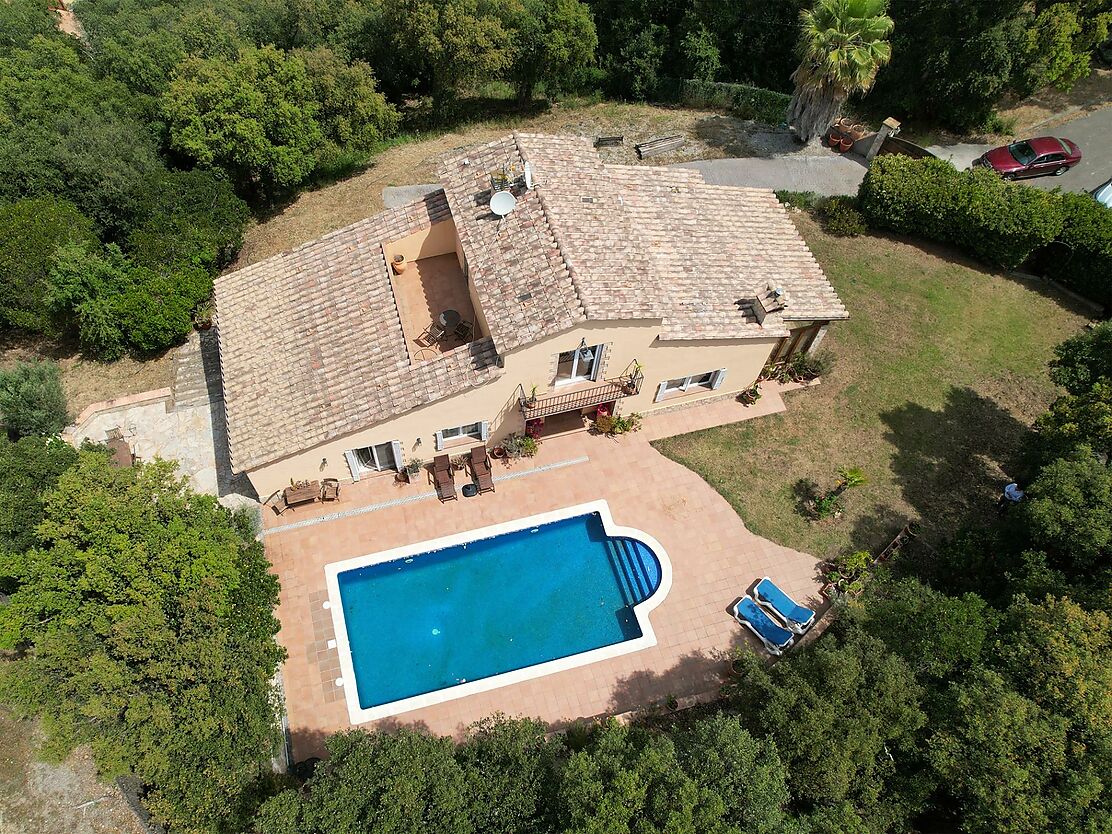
(41, 798)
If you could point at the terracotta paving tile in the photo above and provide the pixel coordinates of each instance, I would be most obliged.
(715, 559)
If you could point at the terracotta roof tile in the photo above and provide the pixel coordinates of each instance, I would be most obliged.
(311, 345)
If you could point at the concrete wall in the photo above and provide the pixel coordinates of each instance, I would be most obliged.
(535, 364)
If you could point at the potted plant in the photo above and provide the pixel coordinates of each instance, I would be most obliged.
(629, 385)
(533, 395)
(412, 468)
(399, 263)
(750, 395)
(498, 452)
(458, 462)
(202, 318)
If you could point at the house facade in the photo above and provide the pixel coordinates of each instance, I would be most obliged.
(536, 286)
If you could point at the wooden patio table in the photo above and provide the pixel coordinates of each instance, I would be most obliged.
(302, 494)
(121, 453)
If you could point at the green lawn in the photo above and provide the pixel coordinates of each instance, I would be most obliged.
(938, 373)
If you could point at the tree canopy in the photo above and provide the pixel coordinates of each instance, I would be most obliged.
(147, 612)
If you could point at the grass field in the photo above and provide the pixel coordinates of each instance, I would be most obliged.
(938, 373)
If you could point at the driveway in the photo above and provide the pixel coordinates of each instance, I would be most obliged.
(831, 174)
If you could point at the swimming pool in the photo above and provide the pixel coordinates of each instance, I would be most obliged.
(441, 619)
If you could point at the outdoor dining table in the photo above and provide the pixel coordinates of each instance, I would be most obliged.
(302, 494)
(449, 319)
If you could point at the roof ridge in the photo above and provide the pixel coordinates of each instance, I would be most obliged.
(555, 228)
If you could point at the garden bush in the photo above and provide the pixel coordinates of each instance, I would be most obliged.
(31, 399)
(30, 231)
(841, 217)
(1081, 257)
(999, 222)
(742, 100)
(799, 199)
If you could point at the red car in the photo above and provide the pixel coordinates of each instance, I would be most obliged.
(1032, 158)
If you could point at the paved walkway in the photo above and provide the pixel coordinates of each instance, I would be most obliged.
(714, 557)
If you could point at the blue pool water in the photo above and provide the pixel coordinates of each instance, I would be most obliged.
(443, 618)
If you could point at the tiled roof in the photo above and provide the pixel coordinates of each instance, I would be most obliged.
(311, 346)
(619, 242)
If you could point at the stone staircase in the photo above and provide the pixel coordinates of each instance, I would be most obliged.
(197, 380)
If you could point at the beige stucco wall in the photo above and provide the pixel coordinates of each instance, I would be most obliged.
(535, 364)
(439, 239)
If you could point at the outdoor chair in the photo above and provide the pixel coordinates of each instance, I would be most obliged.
(480, 468)
(443, 479)
(754, 618)
(795, 616)
(330, 489)
(433, 334)
(278, 502)
(463, 331)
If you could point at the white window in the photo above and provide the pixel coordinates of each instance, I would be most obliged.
(478, 431)
(707, 381)
(578, 365)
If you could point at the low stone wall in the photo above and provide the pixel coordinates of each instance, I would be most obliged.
(81, 423)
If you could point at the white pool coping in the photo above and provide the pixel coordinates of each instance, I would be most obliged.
(359, 715)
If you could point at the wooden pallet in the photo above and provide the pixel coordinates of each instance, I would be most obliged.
(655, 147)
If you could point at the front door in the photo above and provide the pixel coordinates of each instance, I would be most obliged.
(578, 365)
(377, 458)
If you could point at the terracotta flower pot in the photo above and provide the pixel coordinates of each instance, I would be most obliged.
(399, 264)
(845, 143)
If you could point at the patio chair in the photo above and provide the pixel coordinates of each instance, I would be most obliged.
(330, 489)
(433, 334)
(479, 459)
(278, 503)
(795, 616)
(443, 479)
(463, 331)
(480, 468)
(754, 618)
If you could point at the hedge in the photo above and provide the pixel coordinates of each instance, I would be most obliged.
(745, 102)
(999, 222)
(1081, 258)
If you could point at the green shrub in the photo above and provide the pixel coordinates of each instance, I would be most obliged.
(799, 199)
(742, 100)
(30, 231)
(999, 222)
(1081, 258)
(31, 399)
(840, 216)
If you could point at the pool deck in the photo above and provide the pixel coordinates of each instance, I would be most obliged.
(715, 559)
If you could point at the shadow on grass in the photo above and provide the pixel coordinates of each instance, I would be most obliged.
(950, 464)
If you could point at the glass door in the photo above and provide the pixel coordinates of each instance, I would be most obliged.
(377, 458)
(577, 365)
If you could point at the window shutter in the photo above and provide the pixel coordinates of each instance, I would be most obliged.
(597, 369)
(353, 464)
(484, 431)
(396, 448)
(719, 376)
(660, 392)
(439, 440)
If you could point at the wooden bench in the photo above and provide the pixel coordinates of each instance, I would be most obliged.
(655, 147)
(609, 141)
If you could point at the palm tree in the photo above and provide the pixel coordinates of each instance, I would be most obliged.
(842, 45)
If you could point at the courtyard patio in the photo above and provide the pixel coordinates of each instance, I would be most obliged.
(715, 559)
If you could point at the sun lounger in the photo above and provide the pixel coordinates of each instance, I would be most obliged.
(480, 468)
(754, 618)
(795, 616)
(442, 478)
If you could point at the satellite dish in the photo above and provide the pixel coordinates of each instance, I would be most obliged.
(503, 203)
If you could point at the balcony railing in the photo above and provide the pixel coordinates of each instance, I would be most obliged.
(606, 391)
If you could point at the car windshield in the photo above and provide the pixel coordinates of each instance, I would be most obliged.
(1022, 153)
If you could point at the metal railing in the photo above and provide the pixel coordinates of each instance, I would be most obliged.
(605, 391)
